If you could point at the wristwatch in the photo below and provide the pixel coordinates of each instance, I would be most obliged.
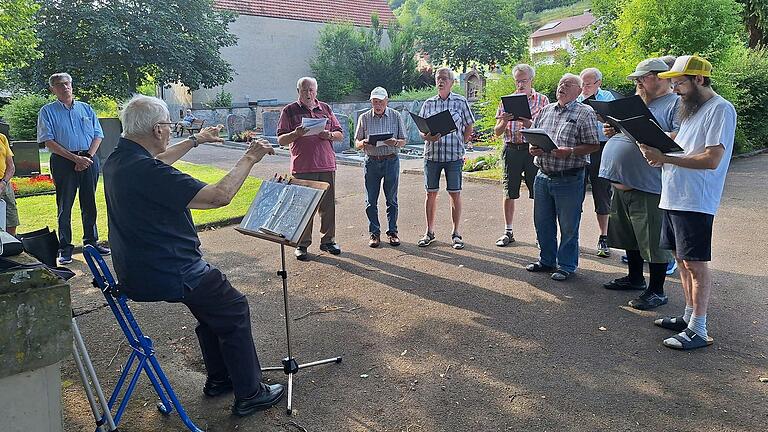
(194, 140)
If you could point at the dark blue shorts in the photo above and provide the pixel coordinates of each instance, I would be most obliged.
(432, 172)
(688, 234)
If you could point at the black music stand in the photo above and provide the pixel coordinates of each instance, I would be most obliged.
(268, 210)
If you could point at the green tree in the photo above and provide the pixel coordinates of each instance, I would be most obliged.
(111, 48)
(334, 63)
(17, 35)
(756, 18)
(458, 32)
(707, 27)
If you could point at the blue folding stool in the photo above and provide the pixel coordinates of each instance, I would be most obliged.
(142, 348)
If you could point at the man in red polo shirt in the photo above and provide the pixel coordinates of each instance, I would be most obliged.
(312, 158)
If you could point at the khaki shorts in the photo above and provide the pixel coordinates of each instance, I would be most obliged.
(635, 224)
(11, 212)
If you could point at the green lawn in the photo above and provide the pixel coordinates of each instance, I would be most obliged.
(492, 174)
(39, 211)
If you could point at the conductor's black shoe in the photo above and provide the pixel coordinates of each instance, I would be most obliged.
(267, 397)
(213, 388)
(301, 253)
(333, 248)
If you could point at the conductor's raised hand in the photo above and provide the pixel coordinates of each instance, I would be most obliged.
(210, 134)
(258, 149)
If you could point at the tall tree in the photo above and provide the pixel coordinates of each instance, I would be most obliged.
(17, 34)
(756, 18)
(111, 47)
(459, 32)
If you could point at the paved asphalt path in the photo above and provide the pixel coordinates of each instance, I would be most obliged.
(441, 340)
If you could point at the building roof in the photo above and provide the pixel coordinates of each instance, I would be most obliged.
(565, 25)
(356, 11)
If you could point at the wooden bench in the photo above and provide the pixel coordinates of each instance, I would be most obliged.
(195, 126)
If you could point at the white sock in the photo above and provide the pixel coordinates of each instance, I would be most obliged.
(509, 227)
(688, 313)
(698, 324)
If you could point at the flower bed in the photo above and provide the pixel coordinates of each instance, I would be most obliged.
(30, 186)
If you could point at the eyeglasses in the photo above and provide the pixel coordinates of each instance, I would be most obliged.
(590, 84)
(643, 77)
(567, 84)
(62, 84)
(522, 81)
(678, 83)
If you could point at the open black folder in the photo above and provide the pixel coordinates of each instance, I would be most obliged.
(441, 123)
(646, 131)
(378, 139)
(621, 109)
(539, 138)
(517, 105)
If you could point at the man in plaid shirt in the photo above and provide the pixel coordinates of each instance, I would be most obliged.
(445, 153)
(559, 185)
(515, 158)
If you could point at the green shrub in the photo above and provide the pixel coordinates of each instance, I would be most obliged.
(422, 94)
(222, 100)
(481, 163)
(104, 106)
(21, 115)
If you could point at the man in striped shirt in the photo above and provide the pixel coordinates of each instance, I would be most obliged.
(381, 163)
(559, 185)
(515, 158)
(445, 153)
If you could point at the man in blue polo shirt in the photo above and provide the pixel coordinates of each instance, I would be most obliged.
(157, 253)
(71, 131)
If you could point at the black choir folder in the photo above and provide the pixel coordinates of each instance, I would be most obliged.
(378, 139)
(645, 131)
(621, 109)
(441, 123)
(539, 138)
(517, 105)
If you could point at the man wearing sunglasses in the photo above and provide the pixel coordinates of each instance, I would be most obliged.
(692, 185)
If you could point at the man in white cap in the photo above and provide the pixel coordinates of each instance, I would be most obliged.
(381, 162)
(692, 185)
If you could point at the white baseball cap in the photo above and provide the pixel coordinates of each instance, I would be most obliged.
(379, 93)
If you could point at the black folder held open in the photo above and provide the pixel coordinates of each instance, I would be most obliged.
(645, 131)
(621, 109)
(539, 138)
(441, 123)
(517, 105)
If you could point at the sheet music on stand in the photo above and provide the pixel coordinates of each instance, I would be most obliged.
(280, 211)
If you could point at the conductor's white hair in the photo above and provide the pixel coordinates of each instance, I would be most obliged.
(141, 114)
(302, 80)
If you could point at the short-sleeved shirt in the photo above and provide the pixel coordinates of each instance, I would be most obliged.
(568, 126)
(603, 96)
(450, 147)
(5, 151)
(536, 101)
(700, 190)
(389, 122)
(73, 128)
(622, 160)
(309, 154)
(155, 248)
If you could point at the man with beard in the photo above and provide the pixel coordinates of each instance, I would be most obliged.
(635, 218)
(692, 185)
(515, 158)
(558, 191)
(157, 253)
(601, 188)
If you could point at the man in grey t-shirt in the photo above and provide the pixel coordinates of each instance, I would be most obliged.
(635, 218)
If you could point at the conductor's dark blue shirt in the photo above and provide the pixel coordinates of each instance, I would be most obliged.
(155, 248)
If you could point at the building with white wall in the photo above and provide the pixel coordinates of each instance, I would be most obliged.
(557, 35)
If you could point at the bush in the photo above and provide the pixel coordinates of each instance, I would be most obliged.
(422, 94)
(21, 115)
(481, 163)
(222, 100)
(104, 106)
(741, 80)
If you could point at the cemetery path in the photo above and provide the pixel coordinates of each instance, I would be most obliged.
(435, 339)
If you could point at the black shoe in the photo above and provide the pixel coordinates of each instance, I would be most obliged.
(213, 388)
(301, 253)
(102, 250)
(268, 396)
(333, 248)
(648, 300)
(624, 284)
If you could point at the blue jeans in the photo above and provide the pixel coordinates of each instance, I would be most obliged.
(452, 169)
(375, 171)
(558, 200)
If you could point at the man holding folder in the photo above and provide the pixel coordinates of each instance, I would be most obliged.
(515, 159)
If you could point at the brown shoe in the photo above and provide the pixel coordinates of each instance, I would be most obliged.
(375, 241)
(393, 239)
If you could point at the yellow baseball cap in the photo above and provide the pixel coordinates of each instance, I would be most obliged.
(688, 65)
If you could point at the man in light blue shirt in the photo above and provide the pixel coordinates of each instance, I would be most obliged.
(601, 188)
(72, 133)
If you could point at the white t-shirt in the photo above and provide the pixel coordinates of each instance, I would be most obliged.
(699, 190)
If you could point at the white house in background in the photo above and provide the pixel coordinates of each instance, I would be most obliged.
(557, 35)
(276, 40)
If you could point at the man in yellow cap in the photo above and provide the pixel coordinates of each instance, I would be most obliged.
(692, 185)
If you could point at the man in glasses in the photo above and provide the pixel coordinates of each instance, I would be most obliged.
(72, 133)
(592, 79)
(692, 185)
(515, 159)
(635, 219)
(558, 191)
